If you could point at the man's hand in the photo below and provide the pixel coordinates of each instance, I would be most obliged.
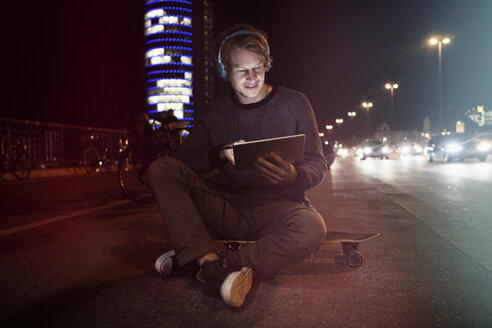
(276, 169)
(228, 153)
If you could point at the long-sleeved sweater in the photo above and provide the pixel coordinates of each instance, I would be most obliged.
(283, 112)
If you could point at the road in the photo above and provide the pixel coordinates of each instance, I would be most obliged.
(73, 252)
(454, 199)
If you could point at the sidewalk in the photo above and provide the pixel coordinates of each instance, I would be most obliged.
(97, 269)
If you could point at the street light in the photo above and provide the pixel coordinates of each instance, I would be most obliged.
(367, 106)
(329, 127)
(339, 121)
(439, 41)
(391, 87)
(352, 115)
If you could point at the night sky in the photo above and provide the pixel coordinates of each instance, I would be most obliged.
(82, 62)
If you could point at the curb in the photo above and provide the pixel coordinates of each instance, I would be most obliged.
(47, 173)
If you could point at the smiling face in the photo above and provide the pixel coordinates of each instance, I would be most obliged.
(247, 76)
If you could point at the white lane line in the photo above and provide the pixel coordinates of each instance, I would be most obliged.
(60, 218)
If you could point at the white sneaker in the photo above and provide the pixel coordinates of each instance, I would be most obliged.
(167, 264)
(236, 286)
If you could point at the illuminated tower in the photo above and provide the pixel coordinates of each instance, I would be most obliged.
(168, 57)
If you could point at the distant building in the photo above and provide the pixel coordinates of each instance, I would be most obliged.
(204, 68)
(480, 116)
(210, 69)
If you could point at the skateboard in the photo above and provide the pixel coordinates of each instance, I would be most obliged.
(349, 241)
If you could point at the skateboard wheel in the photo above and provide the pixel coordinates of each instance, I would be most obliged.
(354, 258)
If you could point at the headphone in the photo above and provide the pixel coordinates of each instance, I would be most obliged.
(220, 64)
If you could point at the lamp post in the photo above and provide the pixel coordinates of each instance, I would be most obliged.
(439, 41)
(329, 127)
(352, 115)
(392, 87)
(339, 121)
(367, 106)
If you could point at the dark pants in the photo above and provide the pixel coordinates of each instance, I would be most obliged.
(196, 212)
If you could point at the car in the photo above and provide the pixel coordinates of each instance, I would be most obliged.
(343, 152)
(410, 148)
(485, 142)
(374, 148)
(455, 147)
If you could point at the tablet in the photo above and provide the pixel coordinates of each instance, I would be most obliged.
(291, 148)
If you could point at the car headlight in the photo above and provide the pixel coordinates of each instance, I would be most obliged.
(385, 150)
(343, 152)
(405, 149)
(482, 146)
(367, 150)
(453, 148)
(418, 149)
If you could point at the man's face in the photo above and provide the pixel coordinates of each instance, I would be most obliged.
(247, 76)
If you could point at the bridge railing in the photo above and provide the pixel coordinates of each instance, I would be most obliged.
(52, 145)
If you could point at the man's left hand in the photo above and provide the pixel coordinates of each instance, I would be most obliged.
(276, 169)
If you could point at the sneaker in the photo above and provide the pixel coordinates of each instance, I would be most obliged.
(167, 264)
(210, 270)
(236, 286)
(230, 284)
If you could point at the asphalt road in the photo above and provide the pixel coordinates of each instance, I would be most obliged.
(454, 199)
(74, 253)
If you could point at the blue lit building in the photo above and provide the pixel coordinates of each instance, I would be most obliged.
(168, 57)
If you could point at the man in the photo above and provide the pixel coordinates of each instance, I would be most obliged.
(266, 204)
(168, 117)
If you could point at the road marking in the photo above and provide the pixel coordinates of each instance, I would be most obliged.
(60, 218)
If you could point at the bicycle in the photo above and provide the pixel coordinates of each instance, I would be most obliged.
(136, 154)
(91, 158)
(14, 159)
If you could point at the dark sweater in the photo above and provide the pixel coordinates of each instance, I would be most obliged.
(283, 112)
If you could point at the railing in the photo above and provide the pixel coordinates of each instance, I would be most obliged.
(52, 145)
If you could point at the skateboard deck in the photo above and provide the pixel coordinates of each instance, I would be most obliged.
(349, 241)
(350, 237)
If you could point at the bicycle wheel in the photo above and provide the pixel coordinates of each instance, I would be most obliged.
(18, 162)
(132, 178)
(91, 160)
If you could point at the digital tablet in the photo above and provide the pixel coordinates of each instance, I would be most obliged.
(291, 148)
